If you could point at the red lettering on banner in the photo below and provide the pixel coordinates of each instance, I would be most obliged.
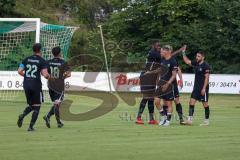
(130, 81)
(136, 82)
(179, 82)
(123, 80)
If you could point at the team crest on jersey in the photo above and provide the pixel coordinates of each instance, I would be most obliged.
(168, 65)
(200, 69)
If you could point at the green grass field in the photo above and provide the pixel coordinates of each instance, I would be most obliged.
(110, 137)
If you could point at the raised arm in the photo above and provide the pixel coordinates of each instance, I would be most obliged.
(183, 48)
(186, 59)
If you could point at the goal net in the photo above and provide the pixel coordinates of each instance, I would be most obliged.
(17, 35)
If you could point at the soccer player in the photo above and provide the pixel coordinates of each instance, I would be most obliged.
(201, 85)
(31, 69)
(153, 57)
(58, 70)
(163, 109)
(176, 94)
(169, 77)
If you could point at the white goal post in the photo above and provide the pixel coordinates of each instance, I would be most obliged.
(17, 35)
(36, 20)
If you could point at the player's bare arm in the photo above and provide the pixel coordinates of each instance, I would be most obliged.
(67, 74)
(187, 60)
(173, 77)
(21, 71)
(156, 71)
(45, 73)
(183, 48)
(206, 82)
(179, 73)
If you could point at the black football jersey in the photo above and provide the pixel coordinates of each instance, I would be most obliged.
(55, 68)
(171, 64)
(200, 71)
(32, 66)
(175, 57)
(154, 56)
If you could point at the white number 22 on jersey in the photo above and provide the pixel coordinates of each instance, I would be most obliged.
(31, 70)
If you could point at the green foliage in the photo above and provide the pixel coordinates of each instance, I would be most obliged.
(14, 58)
(208, 25)
(7, 7)
(211, 26)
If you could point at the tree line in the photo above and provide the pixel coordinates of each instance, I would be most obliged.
(129, 26)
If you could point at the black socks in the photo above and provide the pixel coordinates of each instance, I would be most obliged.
(207, 112)
(55, 110)
(169, 116)
(35, 114)
(57, 114)
(151, 109)
(191, 110)
(27, 110)
(165, 110)
(143, 103)
(179, 111)
(51, 112)
(142, 107)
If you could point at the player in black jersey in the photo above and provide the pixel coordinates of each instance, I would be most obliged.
(31, 69)
(176, 93)
(169, 78)
(58, 70)
(163, 109)
(201, 85)
(153, 60)
(152, 57)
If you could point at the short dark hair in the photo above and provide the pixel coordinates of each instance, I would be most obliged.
(155, 41)
(56, 51)
(202, 53)
(37, 47)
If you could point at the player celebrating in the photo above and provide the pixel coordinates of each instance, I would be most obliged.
(201, 85)
(153, 57)
(31, 69)
(58, 71)
(169, 77)
(163, 109)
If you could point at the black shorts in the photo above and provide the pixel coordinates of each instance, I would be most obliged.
(55, 96)
(169, 96)
(33, 95)
(175, 90)
(196, 94)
